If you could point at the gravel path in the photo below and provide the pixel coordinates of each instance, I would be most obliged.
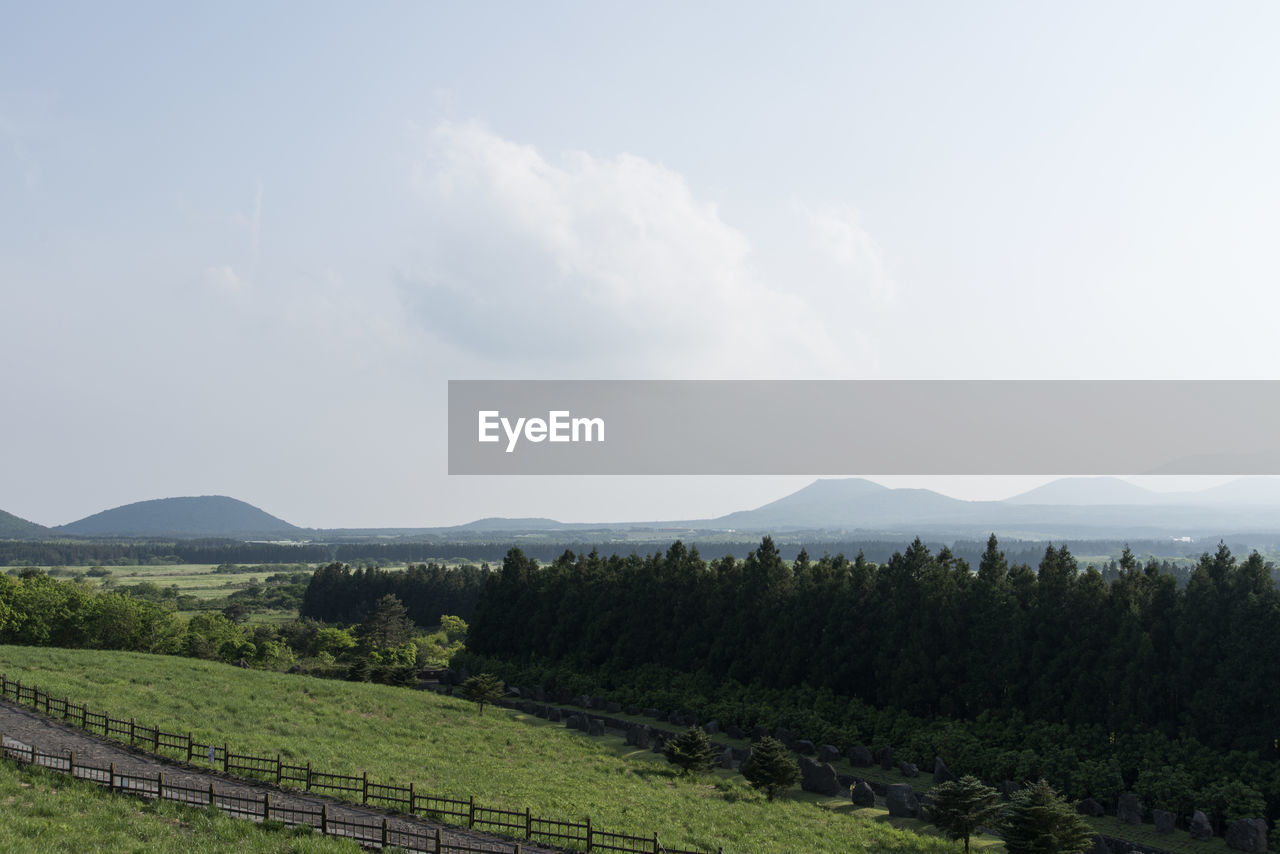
(31, 729)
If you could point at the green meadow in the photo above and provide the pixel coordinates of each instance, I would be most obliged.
(503, 758)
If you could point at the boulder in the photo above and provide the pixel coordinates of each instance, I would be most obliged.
(908, 769)
(514, 691)
(805, 746)
(1091, 808)
(1099, 846)
(573, 722)
(554, 715)
(901, 801)
(711, 727)
(886, 758)
(818, 777)
(941, 773)
(613, 708)
(653, 713)
(862, 795)
(582, 700)
(599, 703)
(596, 727)
(1163, 820)
(1200, 828)
(860, 756)
(1129, 809)
(727, 759)
(634, 711)
(539, 694)
(829, 753)
(1247, 834)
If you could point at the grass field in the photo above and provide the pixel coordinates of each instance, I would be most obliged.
(47, 812)
(502, 758)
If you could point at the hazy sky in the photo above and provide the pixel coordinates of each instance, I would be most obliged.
(243, 246)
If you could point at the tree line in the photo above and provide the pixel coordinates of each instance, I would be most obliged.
(337, 593)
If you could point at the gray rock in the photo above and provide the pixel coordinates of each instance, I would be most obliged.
(735, 732)
(908, 769)
(805, 746)
(514, 691)
(711, 727)
(1163, 820)
(1129, 809)
(1099, 846)
(599, 703)
(573, 721)
(829, 753)
(862, 795)
(653, 713)
(1200, 828)
(901, 801)
(818, 777)
(1247, 834)
(886, 758)
(740, 754)
(1091, 808)
(633, 710)
(860, 756)
(596, 727)
(941, 773)
(727, 759)
(613, 708)
(582, 700)
(554, 715)
(539, 694)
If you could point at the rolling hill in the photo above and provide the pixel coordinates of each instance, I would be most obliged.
(16, 528)
(202, 516)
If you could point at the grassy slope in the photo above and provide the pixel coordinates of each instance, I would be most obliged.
(47, 812)
(441, 743)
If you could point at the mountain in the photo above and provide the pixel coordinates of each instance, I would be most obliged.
(854, 503)
(1088, 490)
(501, 523)
(203, 516)
(15, 528)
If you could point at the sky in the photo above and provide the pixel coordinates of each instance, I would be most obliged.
(244, 246)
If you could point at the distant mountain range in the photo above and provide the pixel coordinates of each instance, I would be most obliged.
(1075, 507)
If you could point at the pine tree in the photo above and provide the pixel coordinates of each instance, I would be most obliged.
(1040, 822)
(770, 767)
(959, 807)
(691, 750)
(483, 688)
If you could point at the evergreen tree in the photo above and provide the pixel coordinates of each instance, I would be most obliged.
(770, 767)
(959, 807)
(389, 624)
(483, 688)
(691, 750)
(1040, 822)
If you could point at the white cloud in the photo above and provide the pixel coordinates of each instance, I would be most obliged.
(223, 278)
(591, 266)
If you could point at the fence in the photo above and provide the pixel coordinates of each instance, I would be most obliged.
(510, 823)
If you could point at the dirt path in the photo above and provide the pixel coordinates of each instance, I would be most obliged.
(31, 729)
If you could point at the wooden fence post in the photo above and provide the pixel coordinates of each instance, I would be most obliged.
(386, 835)
(212, 799)
(156, 740)
(266, 806)
(111, 777)
(528, 823)
(84, 716)
(189, 748)
(657, 849)
(439, 844)
(226, 759)
(132, 726)
(308, 775)
(159, 785)
(279, 769)
(71, 763)
(411, 796)
(588, 833)
(364, 787)
(324, 819)
(471, 811)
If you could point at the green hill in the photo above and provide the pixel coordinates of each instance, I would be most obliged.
(203, 516)
(15, 528)
(441, 743)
